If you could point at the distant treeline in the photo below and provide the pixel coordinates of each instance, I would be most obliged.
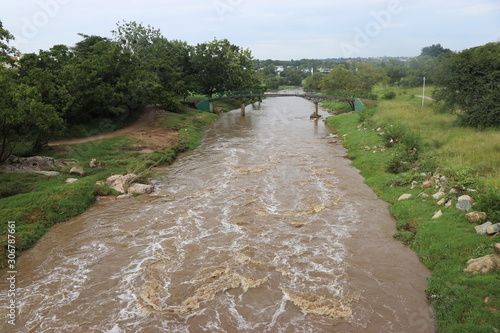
(467, 82)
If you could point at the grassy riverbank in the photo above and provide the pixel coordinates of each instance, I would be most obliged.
(36, 202)
(400, 142)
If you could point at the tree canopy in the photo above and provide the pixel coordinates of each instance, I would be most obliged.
(109, 78)
(470, 85)
(220, 66)
(355, 83)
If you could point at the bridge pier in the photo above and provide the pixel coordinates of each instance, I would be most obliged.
(243, 106)
(315, 114)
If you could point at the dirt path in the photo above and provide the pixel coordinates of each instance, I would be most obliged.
(146, 119)
(147, 129)
(426, 97)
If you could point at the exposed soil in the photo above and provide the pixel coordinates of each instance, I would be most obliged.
(147, 129)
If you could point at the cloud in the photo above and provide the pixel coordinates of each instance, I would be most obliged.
(270, 28)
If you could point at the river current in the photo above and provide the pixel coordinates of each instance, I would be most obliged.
(264, 228)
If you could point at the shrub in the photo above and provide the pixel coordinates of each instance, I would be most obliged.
(366, 117)
(389, 95)
(489, 202)
(393, 134)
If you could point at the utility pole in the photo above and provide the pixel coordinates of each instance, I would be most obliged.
(423, 93)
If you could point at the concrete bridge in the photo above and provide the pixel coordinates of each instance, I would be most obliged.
(246, 96)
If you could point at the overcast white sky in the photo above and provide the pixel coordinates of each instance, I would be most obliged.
(271, 29)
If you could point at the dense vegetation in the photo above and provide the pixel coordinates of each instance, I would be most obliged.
(468, 82)
(51, 93)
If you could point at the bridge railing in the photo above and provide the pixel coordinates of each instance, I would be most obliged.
(239, 93)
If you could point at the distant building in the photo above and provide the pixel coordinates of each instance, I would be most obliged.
(324, 70)
(16, 62)
(280, 69)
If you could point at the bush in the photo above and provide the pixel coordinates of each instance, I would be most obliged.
(366, 117)
(393, 134)
(402, 161)
(389, 95)
(489, 202)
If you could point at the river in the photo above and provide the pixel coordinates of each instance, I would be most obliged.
(264, 228)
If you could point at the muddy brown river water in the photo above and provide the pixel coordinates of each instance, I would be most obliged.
(265, 228)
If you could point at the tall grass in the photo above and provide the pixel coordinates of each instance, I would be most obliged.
(446, 144)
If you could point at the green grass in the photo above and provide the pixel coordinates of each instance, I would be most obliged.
(462, 302)
(447, 145)
(36, 202)
(336, 106)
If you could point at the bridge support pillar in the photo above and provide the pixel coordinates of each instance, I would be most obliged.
(243, 109)
(211, 106)
(315, 114)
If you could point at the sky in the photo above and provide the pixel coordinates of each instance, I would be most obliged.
(271, 29)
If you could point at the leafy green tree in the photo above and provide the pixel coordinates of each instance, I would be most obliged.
(106, 81)
(44, 122)
(353, 83)
(11, 121)
(420, 67)
(220, 66)
(24, 115)
(340, 79)
(470, 85)
(292, 77)
(425, 65)
(44, 72)
(166, 61)
(367, 76)
(5, 49)
(312, 82)
(435, 50)
(395, 69)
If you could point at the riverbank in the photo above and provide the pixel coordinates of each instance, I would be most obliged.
(35, 201)
(394, 147)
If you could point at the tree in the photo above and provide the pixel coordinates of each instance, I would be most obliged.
(312, 82)
(470, 85)
(166, 61)
(425, 65)
(434, 50)
(106, 81)
(292, 77)
(420, 67)
(44, 122)
(45, 72)
(395, 69)
(5, 49)
(24, 116)
(11, 121)
(357, 83)
(220, 66)
(367, 76)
